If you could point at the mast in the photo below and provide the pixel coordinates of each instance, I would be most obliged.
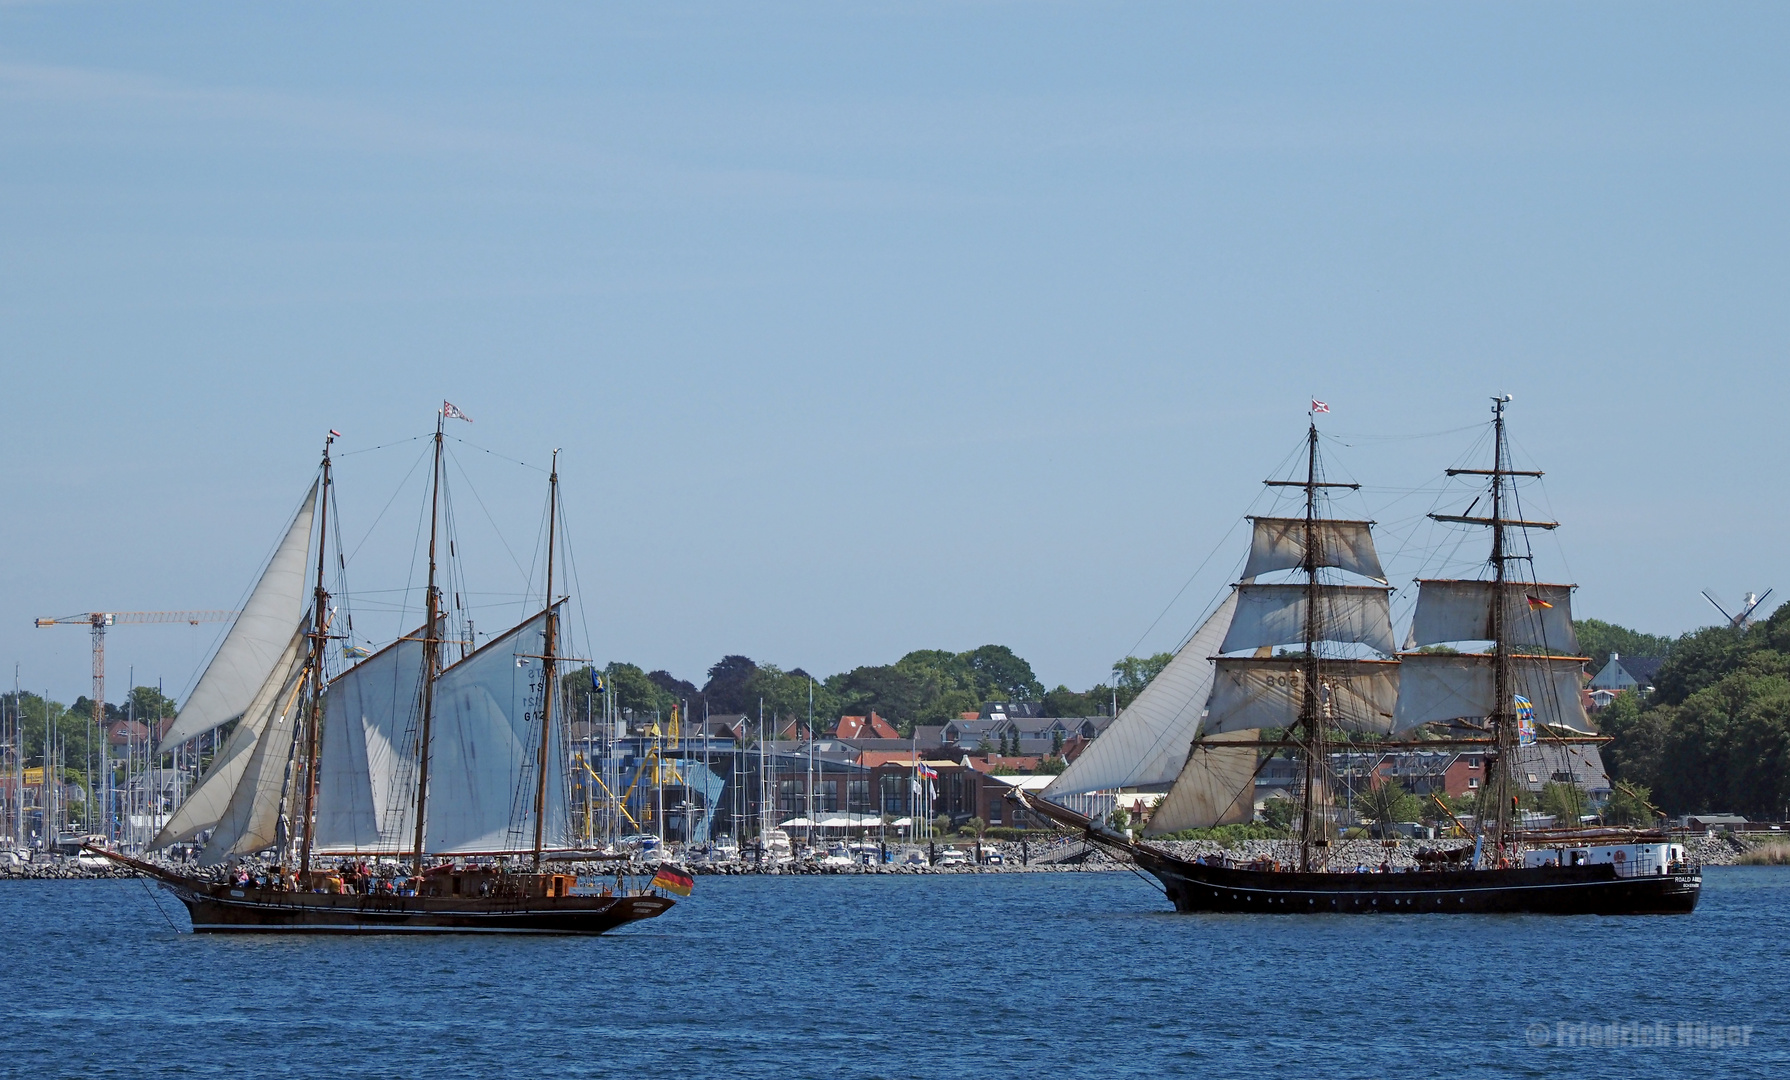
(319, 636)
(1314, 827)
(431, 657)
(547, 667)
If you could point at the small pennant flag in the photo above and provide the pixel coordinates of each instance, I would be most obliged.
(1538, 602)
(1318, 406)
(675, 881)
(355, 652)
(596, 681)
(452, 412)
(334, 433)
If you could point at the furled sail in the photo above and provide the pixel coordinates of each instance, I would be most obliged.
(1538, 616)
(366, 795)
(1267, 692)
(255, 641)
(1275, 615)
(1147, 743)
(1437, 687)
(211, 797)
(1216, 786)
(488, 712)
(251, 821)
(1279, 544)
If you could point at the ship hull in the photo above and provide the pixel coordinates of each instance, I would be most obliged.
(225, 910)
(1569, 890)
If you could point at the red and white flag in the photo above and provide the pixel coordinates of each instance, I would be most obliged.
(451, 412)
(1316, 406)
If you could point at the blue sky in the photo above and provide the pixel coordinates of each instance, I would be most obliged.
(868, 328)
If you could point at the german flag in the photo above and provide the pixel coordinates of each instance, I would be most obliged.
(1538, 602)
(673, 881)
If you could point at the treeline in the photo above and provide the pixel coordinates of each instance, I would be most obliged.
(928, 686)
(77, 738)
(1715, 734)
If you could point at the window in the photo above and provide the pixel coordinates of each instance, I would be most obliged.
(895, 794)
(857, 793)
(826, 796)
(792, 798)
(1472, 782)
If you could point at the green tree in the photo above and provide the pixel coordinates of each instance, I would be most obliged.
(1279, 813)
(941, 824)
(1388, 803)
(1066, 702)
(1133, 673)
(1566, 802)
(1629, 806)
(1051, 766)
(1598, 639)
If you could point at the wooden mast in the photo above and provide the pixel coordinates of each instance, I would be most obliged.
(431, 657)
(319, 636)
(548, 675)
(1500, 759)
(1312, 832)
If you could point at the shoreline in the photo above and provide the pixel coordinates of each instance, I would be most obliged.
(1060, 857)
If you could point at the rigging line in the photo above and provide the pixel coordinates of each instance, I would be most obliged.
(495, 454)
(476, 497)
(1376, 437)
(382, 446)
(399, 490)
(147, 888)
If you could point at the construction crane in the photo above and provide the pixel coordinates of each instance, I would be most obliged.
(99, 620)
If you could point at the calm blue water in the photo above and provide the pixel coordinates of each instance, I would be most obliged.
(1042, 975)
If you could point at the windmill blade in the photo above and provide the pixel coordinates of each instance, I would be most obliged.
(1754, 606)
(1719, 607)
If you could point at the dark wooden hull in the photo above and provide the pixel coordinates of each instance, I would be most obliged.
(1556, 890)
(225, 910)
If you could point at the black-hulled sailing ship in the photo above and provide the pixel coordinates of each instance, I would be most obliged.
(1209, 722)
(406, 793)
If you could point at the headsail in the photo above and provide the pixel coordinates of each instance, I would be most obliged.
(251, 821)
(488, 710)
(1147, 743)
(254, 644)
(208, 801)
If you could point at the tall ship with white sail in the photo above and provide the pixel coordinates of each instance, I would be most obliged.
(1489, 664)
(408, 792)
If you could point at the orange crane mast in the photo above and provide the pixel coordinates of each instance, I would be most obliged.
(99, 620)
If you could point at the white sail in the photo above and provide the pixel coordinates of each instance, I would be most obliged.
(366, 795)
(1249, 693)
(211, 797)
(1534, 615)
(487, 731)
(1275, 615)
(251, 821)
(1147, 742)
(255, 641)
(1438, 687)
(1216, 786)
(1279, 544)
